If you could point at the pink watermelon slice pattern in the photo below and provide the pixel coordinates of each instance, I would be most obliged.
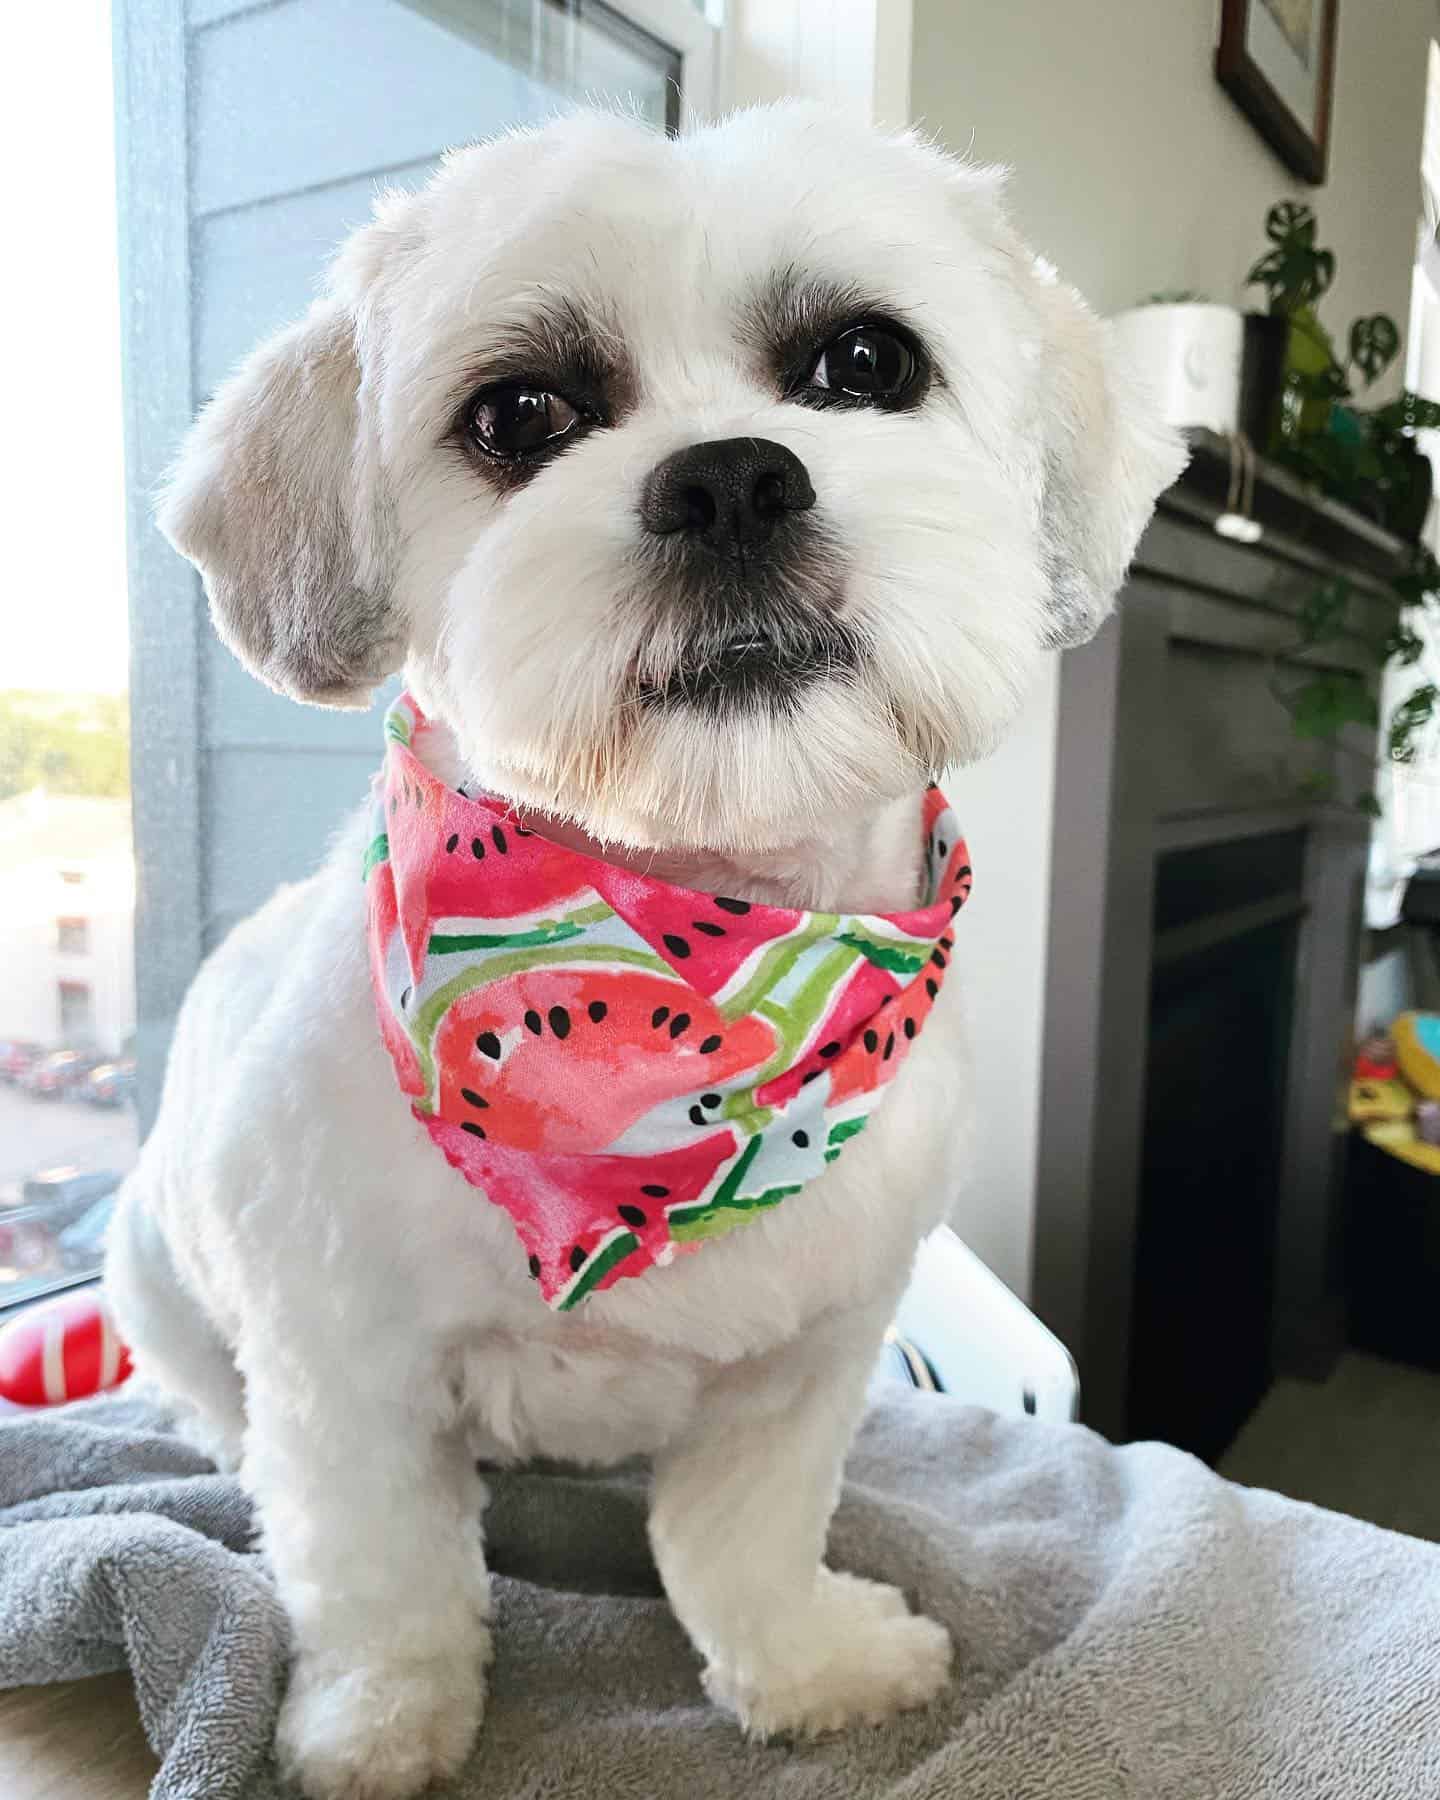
(628, 1067)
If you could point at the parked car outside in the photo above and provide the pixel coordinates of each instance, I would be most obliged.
(110, 1083)
(17, 1057)
(82, 1245)
(50, 1200)
(60, 1073)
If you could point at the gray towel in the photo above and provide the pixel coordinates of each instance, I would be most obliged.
(1127, 1625)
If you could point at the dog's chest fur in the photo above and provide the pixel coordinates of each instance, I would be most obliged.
(311, 1188)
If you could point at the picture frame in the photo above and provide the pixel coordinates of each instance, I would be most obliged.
(1276, 60)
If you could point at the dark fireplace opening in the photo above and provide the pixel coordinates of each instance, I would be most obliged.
(1222, 996)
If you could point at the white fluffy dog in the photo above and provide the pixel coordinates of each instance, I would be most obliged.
(447, 466)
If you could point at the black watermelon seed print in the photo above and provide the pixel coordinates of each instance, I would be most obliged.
(533, 1022)
(596, 1010)
(633, 1215)
(488, 1045)
(559, 1021)
(676, 945)
(477, 849)
(711, 1045)
(872, 1040)
(738, 907)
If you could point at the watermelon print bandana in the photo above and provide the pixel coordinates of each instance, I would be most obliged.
(628, 1067)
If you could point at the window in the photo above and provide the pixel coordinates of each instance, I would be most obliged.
(1409, 825)
(250, 139)
(77, 1010)
(72, 937)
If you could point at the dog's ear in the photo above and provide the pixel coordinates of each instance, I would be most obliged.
(1106, 456)
(274, 501)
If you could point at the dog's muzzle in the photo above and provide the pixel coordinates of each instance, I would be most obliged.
(748, 570)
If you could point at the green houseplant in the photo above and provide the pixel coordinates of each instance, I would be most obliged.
(1367, 458)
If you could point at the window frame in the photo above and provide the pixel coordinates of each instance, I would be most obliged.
(72, 926)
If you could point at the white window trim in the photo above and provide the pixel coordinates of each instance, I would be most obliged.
(851, 54)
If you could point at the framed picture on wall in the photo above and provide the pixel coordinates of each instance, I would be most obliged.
(1277, 62)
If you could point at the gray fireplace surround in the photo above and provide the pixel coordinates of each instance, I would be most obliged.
(1170, 740)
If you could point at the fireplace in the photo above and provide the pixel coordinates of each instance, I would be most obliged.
(1226, 936)
(1204, 938)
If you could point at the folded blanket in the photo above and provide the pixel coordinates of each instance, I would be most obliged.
(1126, 1624)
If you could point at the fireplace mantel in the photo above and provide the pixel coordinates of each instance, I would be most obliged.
(1171, 739)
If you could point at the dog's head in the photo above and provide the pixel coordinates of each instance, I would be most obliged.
(703, 486)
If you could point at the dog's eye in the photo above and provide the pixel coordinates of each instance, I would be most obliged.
(864, 363)
(519, 421)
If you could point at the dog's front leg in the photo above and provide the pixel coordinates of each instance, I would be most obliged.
(738, 1522)
(369, 1508)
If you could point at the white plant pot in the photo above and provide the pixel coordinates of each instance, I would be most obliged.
(1189, 356)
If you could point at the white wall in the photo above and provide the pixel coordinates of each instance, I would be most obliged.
(1133, 171)
(849, 53)
(1005, 807)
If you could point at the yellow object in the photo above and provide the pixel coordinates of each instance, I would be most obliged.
(1417, 1050)
(1399, 1138)
(1379, 1100)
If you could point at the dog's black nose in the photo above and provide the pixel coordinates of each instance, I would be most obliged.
(727, 494)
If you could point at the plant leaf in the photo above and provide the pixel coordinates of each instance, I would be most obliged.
(1326, 705)
(1374, 344)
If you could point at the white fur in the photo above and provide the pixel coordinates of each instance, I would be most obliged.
(353, 1324)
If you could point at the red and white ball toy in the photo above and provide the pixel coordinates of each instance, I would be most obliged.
(61, 1349)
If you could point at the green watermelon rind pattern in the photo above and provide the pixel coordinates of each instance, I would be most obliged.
(716, 1214)
(376, 851)
(612, 1250)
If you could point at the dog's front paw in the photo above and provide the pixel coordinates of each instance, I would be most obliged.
(382, 1730)
(858, 1657)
